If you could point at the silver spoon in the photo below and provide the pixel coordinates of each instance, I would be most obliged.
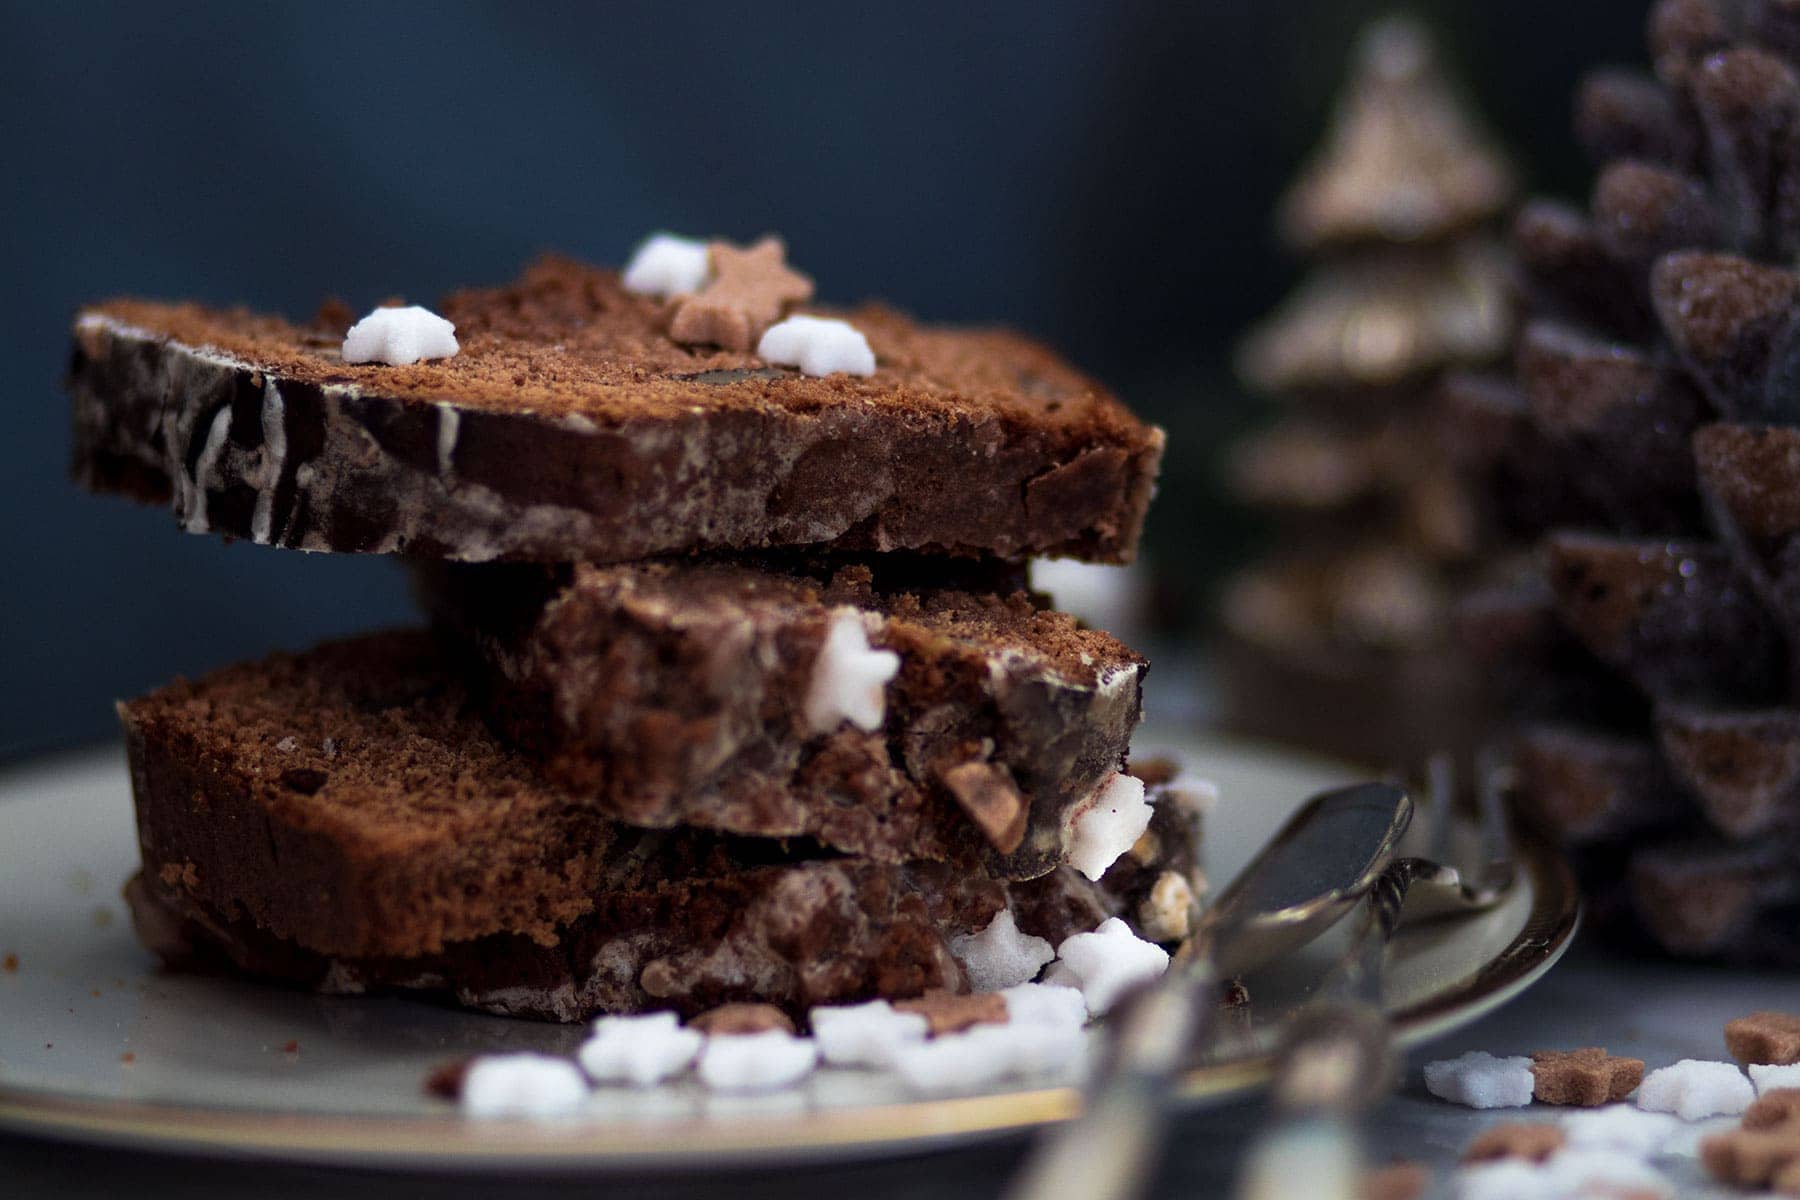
(1316, 868)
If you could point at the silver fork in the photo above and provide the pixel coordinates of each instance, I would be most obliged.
(1336, 1058)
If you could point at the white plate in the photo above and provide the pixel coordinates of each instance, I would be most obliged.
(97, 1045)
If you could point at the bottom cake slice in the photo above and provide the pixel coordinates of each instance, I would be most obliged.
(342, 819)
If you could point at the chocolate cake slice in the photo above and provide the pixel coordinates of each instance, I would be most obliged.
(344, 819)
(570, 426)
(707, 694)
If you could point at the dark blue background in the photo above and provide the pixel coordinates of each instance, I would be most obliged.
(1099, 173)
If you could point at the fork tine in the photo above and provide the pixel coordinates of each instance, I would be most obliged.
(1440, 799)
(1493, 782)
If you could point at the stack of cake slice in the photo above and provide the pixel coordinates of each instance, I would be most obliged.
(733, 689)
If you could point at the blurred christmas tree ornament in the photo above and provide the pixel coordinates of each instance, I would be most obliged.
(1646, 451)
(1344, 640)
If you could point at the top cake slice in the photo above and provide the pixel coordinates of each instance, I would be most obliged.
(571, 426)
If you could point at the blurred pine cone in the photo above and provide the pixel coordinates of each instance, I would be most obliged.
(1647, 449)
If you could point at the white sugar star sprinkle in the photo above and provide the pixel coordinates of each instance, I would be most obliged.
(1108, 825)
(1480, 1080)
(640, 1051)
(818, 346)
(849, 677)
(756, 1062)
(1000, 956)
(1769, 1077)
(1108, 962)
(522, 1085)
(865, 1035)
(1620, 1127)
(666, 266)
(399, 336)
(1046, 1004)
(986, 1053)
(1692, 1089)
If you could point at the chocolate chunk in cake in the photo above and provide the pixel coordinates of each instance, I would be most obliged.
(572, 427)
(729, 696)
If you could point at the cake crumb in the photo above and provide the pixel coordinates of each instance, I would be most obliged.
(128, 1058)
(1532, 1141)
(947, 1012)
(290, 1046)
(1587, 1077)
(731, 1020)
(445, 1081)
(1765, 1038)
(10, 963)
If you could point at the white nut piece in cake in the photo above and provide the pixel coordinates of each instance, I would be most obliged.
(522, 1085)
(1107, 825)
(1107, 963)
(849, 677)
(756, 1062)
(642, 1050)
(1480, 1080)
(1167, 913)
(666, 266)
(1002, 955)
(1694, 1088)
(818, 346)
(399, 337)
(865, 1035)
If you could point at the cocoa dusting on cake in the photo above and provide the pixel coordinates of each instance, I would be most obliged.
(571, 426)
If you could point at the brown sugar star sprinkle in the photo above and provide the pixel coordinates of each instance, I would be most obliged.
(947, 1012)
(1774, 1110)
(748, 292)
(1532, 1141)
(730, 1019)
(1754, 1157)
(1764, 1038)
(1396, 1181)
(1588, 1076)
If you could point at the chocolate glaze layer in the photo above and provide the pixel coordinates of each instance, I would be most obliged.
(571, 428)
